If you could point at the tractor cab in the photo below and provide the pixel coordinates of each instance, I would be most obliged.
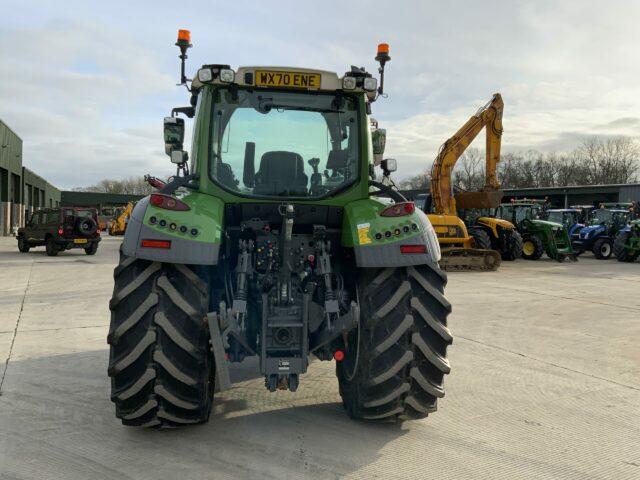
(569, 217)
(610, 217)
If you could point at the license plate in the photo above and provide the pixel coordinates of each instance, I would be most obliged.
(80, 240)
(274, 78)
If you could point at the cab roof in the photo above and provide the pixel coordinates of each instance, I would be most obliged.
(249, 76)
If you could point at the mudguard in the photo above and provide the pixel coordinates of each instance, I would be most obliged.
(376, 240)
(194, 240)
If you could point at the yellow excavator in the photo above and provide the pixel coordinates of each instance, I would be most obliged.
(118, 224)
(479, 246)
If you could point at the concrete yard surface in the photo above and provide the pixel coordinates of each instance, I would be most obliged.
(545, 383)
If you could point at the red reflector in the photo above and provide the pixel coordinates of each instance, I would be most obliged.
(156, 243)
(413, 249)
(156, 200)
(338, 355)
(399, 210)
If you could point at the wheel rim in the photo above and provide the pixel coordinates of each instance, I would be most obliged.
(528, 248)
(605, 250)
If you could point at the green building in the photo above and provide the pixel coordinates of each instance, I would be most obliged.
(21, 190)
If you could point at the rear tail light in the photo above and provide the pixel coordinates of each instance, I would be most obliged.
(409, 249)
(399, 210)
(156, 243)
(60, 231)
(168, 202)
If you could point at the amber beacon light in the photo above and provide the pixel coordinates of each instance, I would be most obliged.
(184, 43)
(382, 56)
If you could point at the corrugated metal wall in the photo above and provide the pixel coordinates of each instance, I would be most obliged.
(630, 193)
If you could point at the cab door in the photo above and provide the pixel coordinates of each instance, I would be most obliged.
(33, 228)
(50, 222)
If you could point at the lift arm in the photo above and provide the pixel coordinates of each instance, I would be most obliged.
(489, 116)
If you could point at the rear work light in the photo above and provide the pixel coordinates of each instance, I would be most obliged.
(399, 210)
(409, 249)
(156, 243)
(168, 202)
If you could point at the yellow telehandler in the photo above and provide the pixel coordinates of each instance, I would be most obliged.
(118, 224)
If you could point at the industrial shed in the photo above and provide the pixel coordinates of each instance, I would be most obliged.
(562, 197)
(578, 195)
(21, 190)
(96, 200)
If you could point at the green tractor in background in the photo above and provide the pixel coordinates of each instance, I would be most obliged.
(538, 236)
(271, 242)
(626, 246)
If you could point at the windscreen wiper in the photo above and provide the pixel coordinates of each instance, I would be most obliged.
(304, 109)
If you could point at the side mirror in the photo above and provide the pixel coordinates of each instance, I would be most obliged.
(389, 165)
(379, 141)
(179, 157)
(173, 135)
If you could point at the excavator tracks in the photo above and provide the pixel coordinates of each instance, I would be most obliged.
(469, 259)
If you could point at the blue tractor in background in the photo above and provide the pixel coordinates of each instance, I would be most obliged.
(600, 231)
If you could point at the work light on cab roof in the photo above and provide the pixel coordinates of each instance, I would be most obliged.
(356, 79)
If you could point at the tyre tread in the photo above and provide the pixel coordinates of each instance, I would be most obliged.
(403, 345)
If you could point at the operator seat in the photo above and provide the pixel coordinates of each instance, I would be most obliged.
(281, 172)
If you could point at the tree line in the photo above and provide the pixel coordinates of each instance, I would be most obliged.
(129, 186)
(596, 161)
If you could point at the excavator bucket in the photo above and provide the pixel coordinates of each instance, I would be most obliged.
(483, 199)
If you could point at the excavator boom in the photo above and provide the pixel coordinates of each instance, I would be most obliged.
(489, 116)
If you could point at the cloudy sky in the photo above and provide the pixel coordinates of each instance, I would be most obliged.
(86, 83)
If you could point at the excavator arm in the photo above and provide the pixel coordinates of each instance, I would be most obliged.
(489, 116)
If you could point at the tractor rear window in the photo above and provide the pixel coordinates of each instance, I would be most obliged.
(281, 144)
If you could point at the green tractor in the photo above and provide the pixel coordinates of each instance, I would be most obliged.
(271, 242)
(539, 236)
(626, 246)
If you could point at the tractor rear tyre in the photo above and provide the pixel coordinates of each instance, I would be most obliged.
(160, 361)
(602, 249)
(481, 239)
(621, 253)
(396, 359)
(513, 246)
(23, 244)
(50, 247)
(532, 248)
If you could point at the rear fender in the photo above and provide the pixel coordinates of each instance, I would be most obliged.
(198, 245)
(376, 240)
